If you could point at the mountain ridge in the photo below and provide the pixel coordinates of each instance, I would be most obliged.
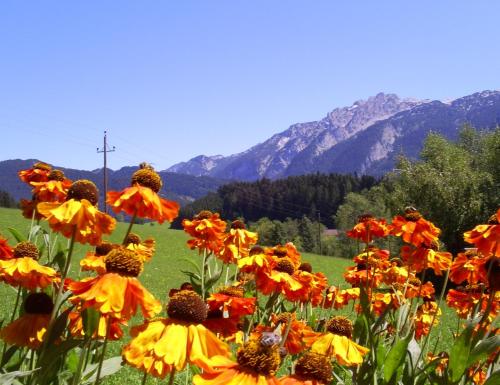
(312, 146)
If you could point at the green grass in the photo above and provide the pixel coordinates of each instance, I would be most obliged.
(164, 273)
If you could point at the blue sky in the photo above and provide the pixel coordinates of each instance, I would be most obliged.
(172, 80)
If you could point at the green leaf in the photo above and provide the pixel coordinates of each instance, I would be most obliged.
(109, 366)
(396, 358)
(8, 355)
(459, 354)
(483, 350)
(58, 327)
(19, 237)
(193, 264)
(90, 318)
(380, 354)
(72, 360)
(10, 378)
(494, 379)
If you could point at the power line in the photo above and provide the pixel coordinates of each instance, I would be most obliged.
(105, 150)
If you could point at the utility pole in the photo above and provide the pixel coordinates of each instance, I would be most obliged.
(105, 150)
(319, 231)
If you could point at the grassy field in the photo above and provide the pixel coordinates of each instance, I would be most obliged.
(159, 276)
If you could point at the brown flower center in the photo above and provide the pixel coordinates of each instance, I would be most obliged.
(56, 175)
(280, 251)
(232, 291)
(26, 249)
(411, 214)
(124, 262)
(493, 220)
(256, 250)
(83, 189)
(285, 265)
(261, 359)
(237, 224)
(314, 366)
(340, 325)
(187, 286)
(104, 248)
(147, 177)
(365, 217)
(204, 214)
(188, 306)
(38, 303)
(306, 266)
(42, 166)
(132, 238)
(283, 317)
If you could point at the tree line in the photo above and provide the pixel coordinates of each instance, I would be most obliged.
(315, 196)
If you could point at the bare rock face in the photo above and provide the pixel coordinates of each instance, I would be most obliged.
(363, 138)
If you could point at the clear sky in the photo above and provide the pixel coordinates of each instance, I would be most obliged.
(172, 80)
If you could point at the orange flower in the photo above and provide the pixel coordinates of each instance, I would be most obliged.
(467, 300)
(207, 229)
(160, 345)
(38, 173)
(142, 199)
(231, 300)
(486, 237)
(54, 189)
(237, 243)
(6, 252)
(337, 343)
(442, 364)
(300, 336)
(337, 298)
(117, 293)
(279, 277)
(380, 302)
(310, 369)
(144, 249)
(78, 215)
(94, 261)
(225, 309)
(427, 314)
(470, 267)
(414, 229)
(314, 284)
(76, 326)
(29, 209)
(363, 275)
(288, 250)
(257, 362)
(29, 329)
(24, 270)
(368, 228)
(424, 257)
(256, 260)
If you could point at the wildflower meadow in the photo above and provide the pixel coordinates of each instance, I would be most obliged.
(245, 314)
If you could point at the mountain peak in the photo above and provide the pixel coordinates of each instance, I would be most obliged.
(298, 149)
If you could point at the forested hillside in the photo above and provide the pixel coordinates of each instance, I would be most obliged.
(314, 196)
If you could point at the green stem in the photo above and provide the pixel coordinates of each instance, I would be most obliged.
(81, 360)
(104, 346)
(132, 220)
(203, 273)
(172, 376)
(144, 378)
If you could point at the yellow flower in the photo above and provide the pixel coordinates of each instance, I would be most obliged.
(79, 214)
(162, 344)
(117, 293)
(24, 270)
(142, 199)
(257, 363)
(337, 343)
(29, 329)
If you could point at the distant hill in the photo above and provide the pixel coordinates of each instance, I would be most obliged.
(179, 187)
(364, 138)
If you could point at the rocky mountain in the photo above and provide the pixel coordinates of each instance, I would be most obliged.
(179, 187)
(365, 138)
